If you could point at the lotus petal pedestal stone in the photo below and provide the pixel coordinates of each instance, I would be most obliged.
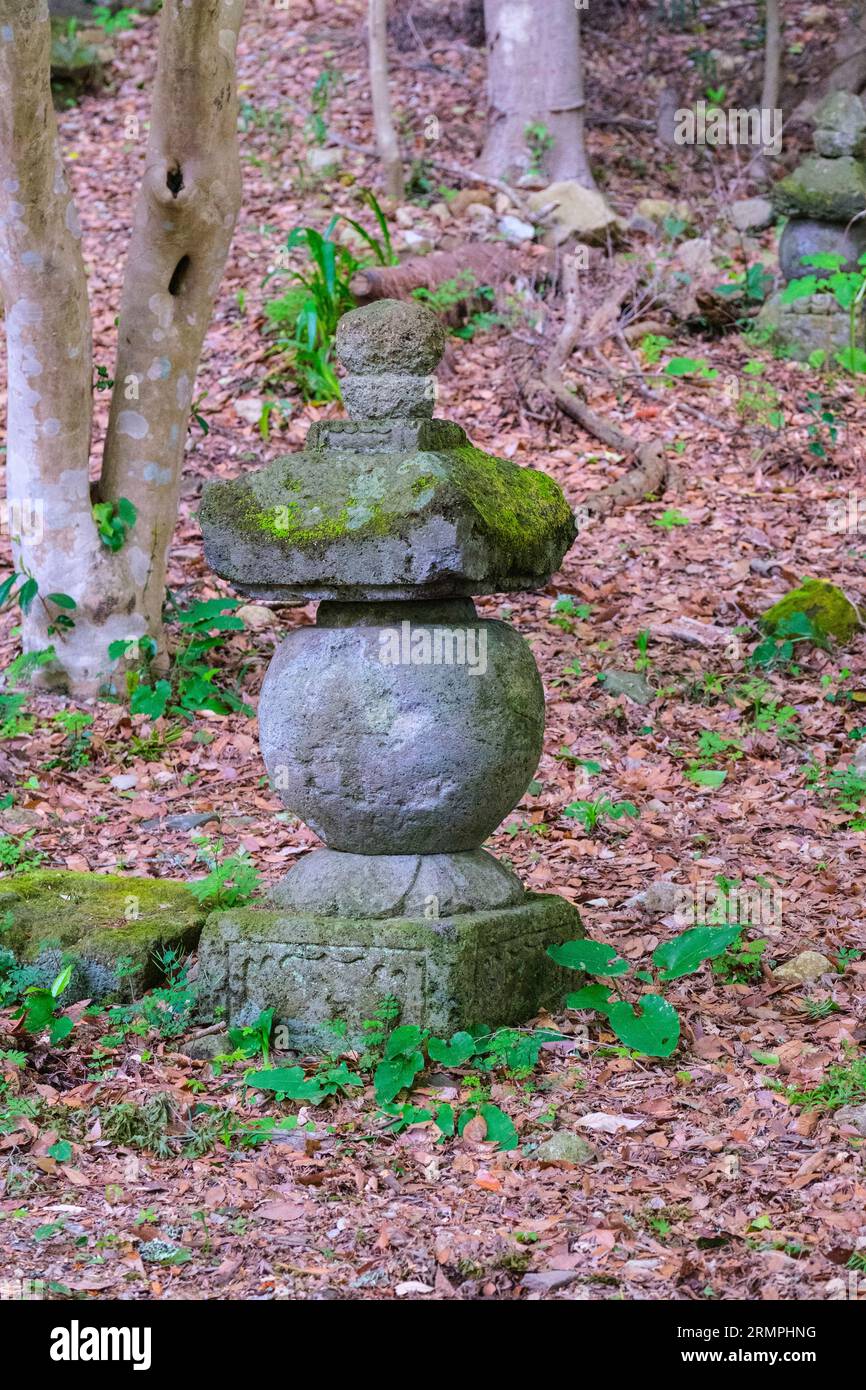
(402, 727)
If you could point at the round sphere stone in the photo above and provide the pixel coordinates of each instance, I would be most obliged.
(412, 757)
(390, 335)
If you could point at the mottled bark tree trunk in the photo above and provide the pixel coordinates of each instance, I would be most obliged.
(183, 226)
(383, 120)
(535, 79)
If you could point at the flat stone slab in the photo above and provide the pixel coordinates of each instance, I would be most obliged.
(95, 920)
(472, 970)
(382, 509)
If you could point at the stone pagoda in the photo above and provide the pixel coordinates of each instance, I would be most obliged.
(824, 199)
(401, 727)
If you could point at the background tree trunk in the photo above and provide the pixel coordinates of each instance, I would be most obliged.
(183, 226)
(772, 56)
(535, 78)
(386, 136)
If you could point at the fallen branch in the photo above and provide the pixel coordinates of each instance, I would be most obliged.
(489, 263)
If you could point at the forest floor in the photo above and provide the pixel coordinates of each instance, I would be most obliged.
(707, 1182)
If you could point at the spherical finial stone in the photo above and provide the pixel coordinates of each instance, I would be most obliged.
(390, 336)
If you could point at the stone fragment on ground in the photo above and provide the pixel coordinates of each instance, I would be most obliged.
(803, 969)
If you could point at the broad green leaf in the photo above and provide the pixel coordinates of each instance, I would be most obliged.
(403, 1040)
(445, 1119)
(822, 260)
(706, 776)
(27, 593)
(852, 359)
(653, 1031)
(151, 700)
(594, 956)
(687, 952)
(62, 601)
(590, 997)
(60, 1029)
(453, 1054)
(62, 982)
(799, 289)
(289, 1082)
(500, 1127)
(394, 1074)
(61, 1151)
(38, 1009)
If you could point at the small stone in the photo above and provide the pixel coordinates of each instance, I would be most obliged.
(206, 1048)
(471, 197)
(515, 229)
(564, 1148)
(256, 616)
(572, 210)
(807, 966)
(659, 209)
(124, 782)
(854, 1116)
(632, 684)
(660, 898)
(249, 408)
(545, 1280)
(840, 125)
(321, 159)
(482, 215)
(418, 242)
(752, 214)
(390, 335)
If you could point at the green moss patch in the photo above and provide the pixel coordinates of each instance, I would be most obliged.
(831, 614)
(98, 919)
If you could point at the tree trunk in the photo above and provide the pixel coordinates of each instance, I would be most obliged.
(48, 337)
(187, 209)
(772, 56)
(535, 84)
(183, 226)
(386, 136)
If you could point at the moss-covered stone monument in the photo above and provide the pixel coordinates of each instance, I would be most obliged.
(401, 727)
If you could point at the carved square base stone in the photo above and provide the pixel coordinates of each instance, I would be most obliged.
(470, 970)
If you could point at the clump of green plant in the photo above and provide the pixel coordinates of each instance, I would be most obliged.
(230, 882)
(329, 82)
(848, 288)
(192, 685)
(168, 1008)
(248, 1040)
(741, 963)
(16, 854)
(398, 1056)
(539, 143)
(14, 723)
(76, 726)
(114, 22)
(592, 813)
(455, 297)
(114, 521)
(305, 318)
(41, 1009)
(652, 1028)
(565, 611)
(844, 1084)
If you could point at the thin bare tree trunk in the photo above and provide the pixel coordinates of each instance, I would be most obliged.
(386, 135)
(186, 214)
(772, 56)
(535, 80)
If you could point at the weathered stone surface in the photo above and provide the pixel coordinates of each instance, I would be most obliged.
(813, 324)
(407, 758)
(438, 518)
(632, 684)
(395, 885)
(840, 125)
(832, 614)
(807, 966)
(389, 395)
(471, 970)
(853, 1116)
(805, 237)
(831, 190)
(752, 214)
(98, 918)
(391, 335)
(565, 1149)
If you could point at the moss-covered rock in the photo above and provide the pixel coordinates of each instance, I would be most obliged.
(53, 915)
(832, 615)
(831, 190)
